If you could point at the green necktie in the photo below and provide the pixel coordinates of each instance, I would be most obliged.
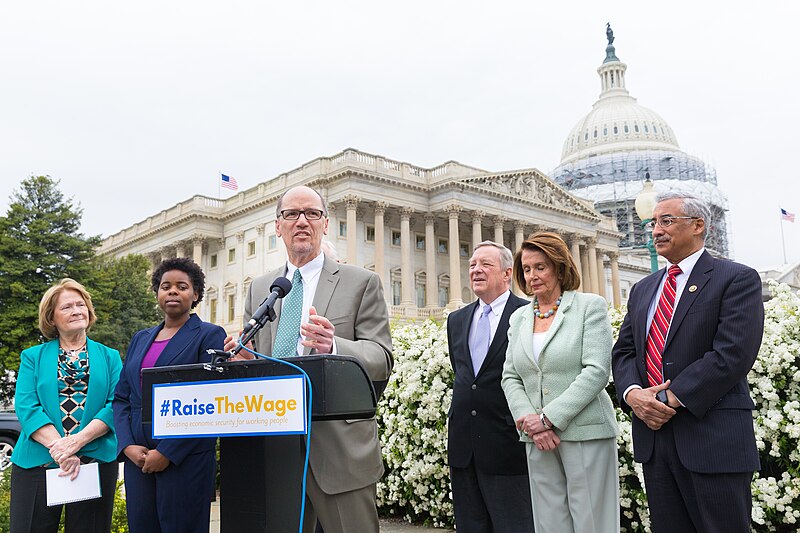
(289, 323)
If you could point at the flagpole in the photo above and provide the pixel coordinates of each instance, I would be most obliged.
(783, 240)
(219, 187)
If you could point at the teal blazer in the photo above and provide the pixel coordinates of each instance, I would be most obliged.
(36, 401)
(568, 383)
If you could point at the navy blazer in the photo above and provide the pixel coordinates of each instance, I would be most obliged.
(711, 346)
(188, 346)
(490, 435)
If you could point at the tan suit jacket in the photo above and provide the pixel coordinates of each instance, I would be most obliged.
(345, 454)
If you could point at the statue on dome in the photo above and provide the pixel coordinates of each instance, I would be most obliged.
(609, 34)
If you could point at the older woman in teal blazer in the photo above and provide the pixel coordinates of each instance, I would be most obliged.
(557, 367)
(63, 401)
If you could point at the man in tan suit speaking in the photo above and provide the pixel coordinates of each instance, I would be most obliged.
(338, 309)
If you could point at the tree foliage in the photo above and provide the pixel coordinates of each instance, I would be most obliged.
(122, 299)
(40, 243)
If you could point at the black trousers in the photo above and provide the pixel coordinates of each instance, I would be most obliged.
(30, 513)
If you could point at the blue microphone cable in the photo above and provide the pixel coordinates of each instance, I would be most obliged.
(309, 399)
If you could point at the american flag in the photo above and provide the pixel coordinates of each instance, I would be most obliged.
(229, 182)
(786, 215)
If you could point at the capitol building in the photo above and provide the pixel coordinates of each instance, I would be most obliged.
(416, 227)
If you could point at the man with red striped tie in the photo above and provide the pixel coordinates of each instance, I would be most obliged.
(690, 337)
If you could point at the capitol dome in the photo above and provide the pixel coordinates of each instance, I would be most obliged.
(617, 122)
(619, 144)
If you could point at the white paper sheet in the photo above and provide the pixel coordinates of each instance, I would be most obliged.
(61, 490)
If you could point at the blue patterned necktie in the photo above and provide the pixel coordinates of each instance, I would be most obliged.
(289, 323)
(479, 341)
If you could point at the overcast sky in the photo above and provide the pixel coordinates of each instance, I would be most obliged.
(136, 106)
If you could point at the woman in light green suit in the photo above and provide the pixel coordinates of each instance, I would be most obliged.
(63, 401)
(557, 367)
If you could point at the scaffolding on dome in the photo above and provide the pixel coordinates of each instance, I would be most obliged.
(613, 181)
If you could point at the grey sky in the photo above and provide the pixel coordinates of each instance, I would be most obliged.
(136, 106)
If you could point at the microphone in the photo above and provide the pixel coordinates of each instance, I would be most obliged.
(280, 288)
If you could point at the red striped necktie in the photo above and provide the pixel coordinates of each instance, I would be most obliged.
(657, 336)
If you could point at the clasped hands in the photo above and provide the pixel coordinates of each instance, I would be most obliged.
(544, 438)
(150, 461)
(63, 452)
(649, 409)
(317, 334)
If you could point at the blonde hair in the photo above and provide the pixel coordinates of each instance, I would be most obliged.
(554, 247)
(47, 306)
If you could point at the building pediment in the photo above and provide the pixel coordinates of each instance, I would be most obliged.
(531, 186)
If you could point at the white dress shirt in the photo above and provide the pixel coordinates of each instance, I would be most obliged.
(310, 272)
(498, 305)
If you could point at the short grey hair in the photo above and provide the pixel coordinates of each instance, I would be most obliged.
(692, 205)
(506, 257)
(280, 201)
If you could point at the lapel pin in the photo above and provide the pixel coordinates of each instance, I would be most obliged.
(693, 288)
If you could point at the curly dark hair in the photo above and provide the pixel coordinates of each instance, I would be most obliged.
(184, 264)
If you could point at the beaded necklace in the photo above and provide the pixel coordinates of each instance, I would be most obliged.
(538, 314)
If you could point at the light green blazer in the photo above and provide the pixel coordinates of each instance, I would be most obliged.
(569, 381)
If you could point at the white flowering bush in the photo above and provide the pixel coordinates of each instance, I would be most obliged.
(413, 417)
(775, 384)
(413, 427)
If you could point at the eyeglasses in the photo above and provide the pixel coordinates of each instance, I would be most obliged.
(294, 214)
(666, 221)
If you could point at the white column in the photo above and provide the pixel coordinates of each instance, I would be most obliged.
(615, 289)
(575, 250)
(591, 252)
(407, 297)
(351, 201)
(197, 249)
(477, 231)
(431, 279)
(519, 235)
(455, 260)
(498, 229)
(586, 285)
(601, 274)
(261, 246)
(380, 210)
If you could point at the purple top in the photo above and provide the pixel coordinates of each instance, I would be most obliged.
(153, 352)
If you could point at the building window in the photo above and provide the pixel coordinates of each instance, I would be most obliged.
(397, 292)
(251, 248)
(444, 296)
(370, 233)
(213, 261)
(586, 136)
(231, 255)
(636, 128)
(616, 130)
(395, 238)
(212, 311)
(419, 242)
(463, 249)
(421, 294)
(342, 229)
(442, 247)
(605, 131)
(231, 307)
(626, 129)
(595, 134)
(645, 129)
(272, 242)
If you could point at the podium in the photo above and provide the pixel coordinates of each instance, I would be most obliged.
(261, 476)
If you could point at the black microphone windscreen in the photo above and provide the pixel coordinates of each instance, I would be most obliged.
(283, 285)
